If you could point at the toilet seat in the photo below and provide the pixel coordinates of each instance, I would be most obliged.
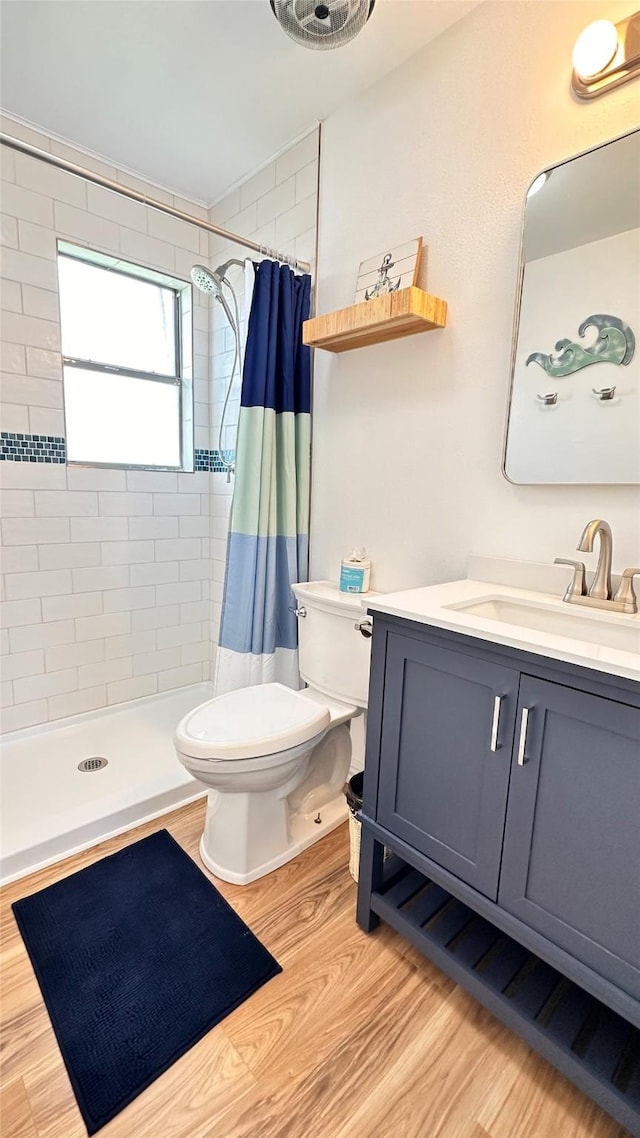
(252, 723)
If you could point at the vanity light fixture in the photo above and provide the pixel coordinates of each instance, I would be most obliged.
(605, 56)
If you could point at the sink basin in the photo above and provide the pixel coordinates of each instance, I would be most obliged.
(617, 631)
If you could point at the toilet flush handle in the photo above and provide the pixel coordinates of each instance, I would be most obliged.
(365, 627)
(301, 611)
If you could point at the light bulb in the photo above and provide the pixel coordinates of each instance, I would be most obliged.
(595, 47)
(537, 184)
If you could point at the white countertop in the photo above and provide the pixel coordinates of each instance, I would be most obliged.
(431, 606)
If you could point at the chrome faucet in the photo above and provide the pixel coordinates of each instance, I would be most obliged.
(599, 594)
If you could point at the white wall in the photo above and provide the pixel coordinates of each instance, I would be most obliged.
(106, 573)
(408, 435)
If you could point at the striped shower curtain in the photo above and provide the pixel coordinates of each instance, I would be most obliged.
(269, 527)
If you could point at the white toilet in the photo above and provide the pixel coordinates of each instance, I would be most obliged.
(275, 760)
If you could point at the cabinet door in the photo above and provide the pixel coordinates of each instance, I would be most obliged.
(447, 733)
(571, 864)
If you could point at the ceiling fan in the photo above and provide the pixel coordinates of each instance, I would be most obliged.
(322, 24)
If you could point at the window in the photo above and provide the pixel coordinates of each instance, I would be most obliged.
(127, 389)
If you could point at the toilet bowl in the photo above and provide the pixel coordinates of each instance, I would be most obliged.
(275, 760)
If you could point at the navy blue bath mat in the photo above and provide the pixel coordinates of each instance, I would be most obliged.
(137, 957)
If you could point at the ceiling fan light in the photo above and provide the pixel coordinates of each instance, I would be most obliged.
(322, 24)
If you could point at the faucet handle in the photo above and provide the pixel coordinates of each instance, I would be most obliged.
(626, 593)
(578, 586)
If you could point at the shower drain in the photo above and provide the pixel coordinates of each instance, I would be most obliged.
(95, 763)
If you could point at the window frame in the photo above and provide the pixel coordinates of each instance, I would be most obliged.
(183, 338)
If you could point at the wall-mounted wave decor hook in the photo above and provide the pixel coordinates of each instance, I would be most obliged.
(615, 344)
(604, 394)
(549, 399)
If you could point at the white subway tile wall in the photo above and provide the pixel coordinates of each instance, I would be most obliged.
(112, 579)
(83, 549)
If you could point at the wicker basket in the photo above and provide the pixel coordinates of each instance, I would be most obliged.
(355, 828)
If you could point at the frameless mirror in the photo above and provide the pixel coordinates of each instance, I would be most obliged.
(574, 412)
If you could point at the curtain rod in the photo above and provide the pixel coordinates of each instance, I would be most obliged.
(134, 195)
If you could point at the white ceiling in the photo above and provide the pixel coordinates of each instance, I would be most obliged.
(192, 94)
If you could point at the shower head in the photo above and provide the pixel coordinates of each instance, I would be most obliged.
(207, 281)
(210, 281)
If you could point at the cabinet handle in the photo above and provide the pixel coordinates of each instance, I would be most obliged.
(495, 725)
(523, 736)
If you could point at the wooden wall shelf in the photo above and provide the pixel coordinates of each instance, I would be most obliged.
(402, 313)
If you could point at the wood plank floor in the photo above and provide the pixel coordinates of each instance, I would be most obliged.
(360, 1036)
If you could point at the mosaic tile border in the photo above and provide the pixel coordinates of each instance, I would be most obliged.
(32, 448)
(16, 447)
(212, 460)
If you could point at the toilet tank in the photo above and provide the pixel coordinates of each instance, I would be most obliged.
(334, 656)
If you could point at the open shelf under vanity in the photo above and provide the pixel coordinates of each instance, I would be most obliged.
(596, 1048)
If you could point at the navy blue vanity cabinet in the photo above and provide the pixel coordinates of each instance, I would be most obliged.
(505, 789)
(571, 865)
(445, 756)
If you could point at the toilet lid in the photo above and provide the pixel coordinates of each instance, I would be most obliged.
(254, 721)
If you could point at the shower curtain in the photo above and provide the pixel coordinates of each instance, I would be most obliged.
(267, 548)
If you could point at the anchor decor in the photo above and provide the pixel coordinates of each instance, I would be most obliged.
(384, 283)
(615, 344)
(394, 269)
